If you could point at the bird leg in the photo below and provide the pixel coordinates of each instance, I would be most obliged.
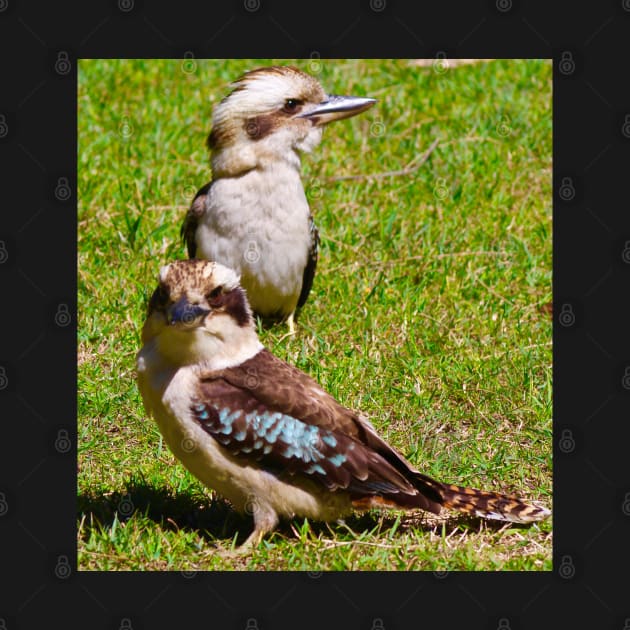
(291, 323)
(265, 521)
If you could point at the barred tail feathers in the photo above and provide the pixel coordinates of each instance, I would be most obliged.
(491, 505)
(434, 495)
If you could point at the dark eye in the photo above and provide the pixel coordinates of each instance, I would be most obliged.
(291, 105)
(215, 292)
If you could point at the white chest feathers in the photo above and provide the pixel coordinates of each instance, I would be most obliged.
(258, 224)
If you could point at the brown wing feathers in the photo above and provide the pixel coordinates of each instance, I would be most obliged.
(284, 388)
(264, 433)
(189, 227)
(374, 473)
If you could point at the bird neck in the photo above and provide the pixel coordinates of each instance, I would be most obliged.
(237, 159)
(223, 347)
(273, 193)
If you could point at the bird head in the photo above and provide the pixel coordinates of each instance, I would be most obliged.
(272, 113)
(199, 313)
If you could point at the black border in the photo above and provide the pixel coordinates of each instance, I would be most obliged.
(38, 272)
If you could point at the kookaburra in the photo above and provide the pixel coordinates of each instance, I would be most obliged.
(253, 216)
(262, 433)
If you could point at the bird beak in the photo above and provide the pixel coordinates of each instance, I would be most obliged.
(337, 108)
(183, 312)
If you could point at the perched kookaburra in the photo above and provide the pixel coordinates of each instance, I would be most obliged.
(253, 216)
(262, 433)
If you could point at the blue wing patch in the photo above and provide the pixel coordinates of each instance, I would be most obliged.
(286, 445)
(277, 438)
(265, 430)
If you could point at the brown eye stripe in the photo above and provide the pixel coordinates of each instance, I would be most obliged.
(214, 293)
(158, 299)
(259, 127)
(232, 302)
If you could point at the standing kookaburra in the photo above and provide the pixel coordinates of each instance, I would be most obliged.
(262, 433)
(253, 216)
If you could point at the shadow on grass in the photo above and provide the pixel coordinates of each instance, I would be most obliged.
(213, 519)
(216, 522)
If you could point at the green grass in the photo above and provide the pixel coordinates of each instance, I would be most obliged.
(428, 311)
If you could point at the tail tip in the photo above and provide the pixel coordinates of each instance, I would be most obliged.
(531, 512)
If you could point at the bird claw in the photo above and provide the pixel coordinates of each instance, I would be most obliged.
(253, 540)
